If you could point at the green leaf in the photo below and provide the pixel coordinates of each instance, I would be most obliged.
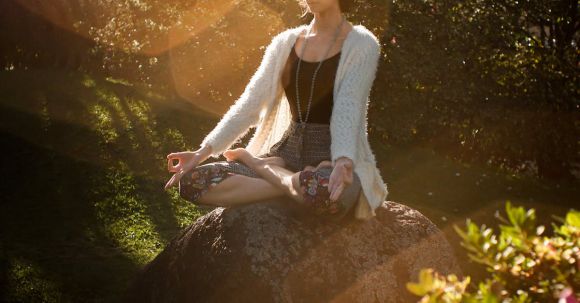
(573, 218)
(426, 278)
(416, 288)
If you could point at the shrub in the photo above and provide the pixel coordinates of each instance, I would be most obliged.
(524, 265)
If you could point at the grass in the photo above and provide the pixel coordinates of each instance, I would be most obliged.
(83, 200)
(83, 205)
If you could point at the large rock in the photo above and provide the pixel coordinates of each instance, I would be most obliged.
(273, 252)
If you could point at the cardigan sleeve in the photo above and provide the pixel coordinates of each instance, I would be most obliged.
(245, 112)
(350, 109)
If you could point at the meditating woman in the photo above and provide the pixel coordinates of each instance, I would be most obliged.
(308, 100)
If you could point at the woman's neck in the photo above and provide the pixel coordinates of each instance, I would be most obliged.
(326, 22)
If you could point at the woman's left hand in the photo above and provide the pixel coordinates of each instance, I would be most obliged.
(340, 178)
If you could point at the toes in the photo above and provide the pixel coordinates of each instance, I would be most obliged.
(229, 154)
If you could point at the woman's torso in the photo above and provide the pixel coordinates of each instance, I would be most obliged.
(317, 137)
(322, 96)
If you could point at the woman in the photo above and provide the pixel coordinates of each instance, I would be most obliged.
(308, 101)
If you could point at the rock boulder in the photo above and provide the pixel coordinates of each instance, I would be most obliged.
(274, 252)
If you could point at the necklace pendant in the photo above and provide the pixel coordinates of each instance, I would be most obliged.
(300, 145)
(300, 130)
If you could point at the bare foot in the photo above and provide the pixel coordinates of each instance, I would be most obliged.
(241, 154)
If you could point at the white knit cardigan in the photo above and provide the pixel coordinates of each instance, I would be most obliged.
(263, 105)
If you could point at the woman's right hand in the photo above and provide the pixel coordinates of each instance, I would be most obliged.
(186, 161)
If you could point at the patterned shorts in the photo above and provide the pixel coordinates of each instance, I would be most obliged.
(198, 181)
(314, 184)
(314, 187)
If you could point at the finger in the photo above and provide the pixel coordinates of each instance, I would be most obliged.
(336, 194)
(309, 168)
(336, 181)
(175, 178)
(176, 167)
(173, 155)
(322, 164)
(178, 176)
(173, 168)
(170, 182)
(334, 186)
(330, 184)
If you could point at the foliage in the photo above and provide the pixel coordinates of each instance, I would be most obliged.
(490, 81)
(485, 81)
(524, 265)
(92, 210)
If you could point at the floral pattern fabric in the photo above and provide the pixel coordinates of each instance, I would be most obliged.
(313, 184)
(314, 187)
(198, 181)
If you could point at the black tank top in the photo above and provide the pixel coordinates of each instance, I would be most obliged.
(322, 97)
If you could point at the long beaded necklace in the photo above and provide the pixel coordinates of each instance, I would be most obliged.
(302, 123)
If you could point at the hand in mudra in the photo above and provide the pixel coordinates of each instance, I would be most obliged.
(186, 161)
(340, 178)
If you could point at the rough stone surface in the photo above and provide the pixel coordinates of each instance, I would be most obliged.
(276, 252)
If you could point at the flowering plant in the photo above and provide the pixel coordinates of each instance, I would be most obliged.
(525, 266)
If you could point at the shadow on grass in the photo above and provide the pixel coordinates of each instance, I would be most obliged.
(83, 170)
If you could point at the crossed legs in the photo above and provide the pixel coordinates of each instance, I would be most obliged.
(239, 189)
(279, 176)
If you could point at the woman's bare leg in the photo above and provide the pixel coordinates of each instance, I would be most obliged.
(240, 189)
(282, 178)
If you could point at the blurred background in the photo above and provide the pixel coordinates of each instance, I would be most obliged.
(475, 103)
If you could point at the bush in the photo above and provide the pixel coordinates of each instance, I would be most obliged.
(524, 265)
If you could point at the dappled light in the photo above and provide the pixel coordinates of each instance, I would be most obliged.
(147, 27)
(131, 227)
(111, 142)
(211, 46)
(31, 283)
(475, 103)
(214, 73)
